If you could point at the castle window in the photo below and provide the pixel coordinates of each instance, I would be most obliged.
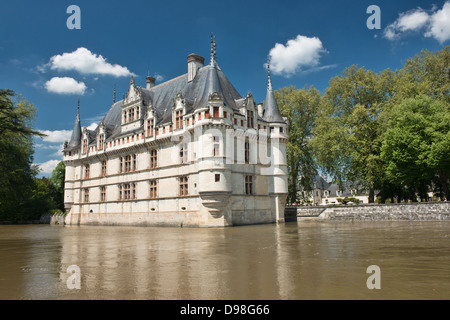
(124, 117)
(126, 191)
(120, 192)
(247, 152)
(206, 114)
(216, 146)
(86, 171)
(86, 195)
(183, 153)
(130, 115)
(153, 158)
(281, 129)
(235, 121)
(134, 162)
(102, 194)
(225, 115)
(150, 127)
(242, 123)
(183, 186)
(101, 140)
(127, 163)
(137, 113)
(121, 165)
(250, 119)
(216, 112)
(248, 185)
(178, 119)
(217, 177)
(133, 189)
(103, 168)
(85, 146)
(153, 189)
(272, 129)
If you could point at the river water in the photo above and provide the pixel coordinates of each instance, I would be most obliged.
(308, 260)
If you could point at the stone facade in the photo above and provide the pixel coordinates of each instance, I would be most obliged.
(187, 152)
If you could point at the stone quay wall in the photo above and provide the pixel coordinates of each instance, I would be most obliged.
(374, 212)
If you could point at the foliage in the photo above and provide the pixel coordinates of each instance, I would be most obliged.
(300, 107)
(23, 197)
(417, 143)
(349, 127)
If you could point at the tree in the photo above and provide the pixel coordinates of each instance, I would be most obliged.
(57, 180)
(416, 146)
(349, 127)
(300, 107)
(16, 156)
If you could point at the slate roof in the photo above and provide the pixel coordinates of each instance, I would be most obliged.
(196, 93)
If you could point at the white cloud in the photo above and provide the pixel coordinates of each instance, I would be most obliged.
(92, 126)
(440, 24)
(56, 135)
(297, 54)
(48, 166)
(435, 24)
(65, 85)
(84, 61)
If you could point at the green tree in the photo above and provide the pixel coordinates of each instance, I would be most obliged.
(350, 126)
(17, 117)
(417, 144)
(300, 107)
(57, 180)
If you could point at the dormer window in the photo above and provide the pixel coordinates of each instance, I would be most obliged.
(250, 119)
(150, 128)
(179, 119)
(215, 112)
(101, 141)
(85, 144)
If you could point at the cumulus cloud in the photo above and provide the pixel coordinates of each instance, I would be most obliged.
(65, 85)
(435, 24)
(297, 55)
(440, 24)
(84, 61)
(48, 166)
(56, 135)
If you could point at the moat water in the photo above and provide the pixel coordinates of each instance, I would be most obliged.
(308, 260)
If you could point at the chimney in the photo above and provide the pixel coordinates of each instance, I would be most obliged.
(260, 110)
(195, 62)
(150, 82)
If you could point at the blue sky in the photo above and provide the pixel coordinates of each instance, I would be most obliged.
(309, 42)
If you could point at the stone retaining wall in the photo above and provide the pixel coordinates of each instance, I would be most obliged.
(394, 211)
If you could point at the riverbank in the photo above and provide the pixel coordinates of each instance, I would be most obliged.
(377, 212)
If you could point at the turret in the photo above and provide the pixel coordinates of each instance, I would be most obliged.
(75, 139)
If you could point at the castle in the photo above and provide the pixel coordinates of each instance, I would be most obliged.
(187, 152)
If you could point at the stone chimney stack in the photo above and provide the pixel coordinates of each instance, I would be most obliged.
(150, 82)
(195, 62)
(260, 110)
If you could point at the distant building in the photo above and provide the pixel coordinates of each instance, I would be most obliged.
(324, 193)
(183, 152)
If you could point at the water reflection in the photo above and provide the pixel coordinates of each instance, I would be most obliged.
(311, 260)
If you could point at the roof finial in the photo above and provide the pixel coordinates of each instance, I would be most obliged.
(269, 83)
(114, 98)
(78, 108)
(212, 49)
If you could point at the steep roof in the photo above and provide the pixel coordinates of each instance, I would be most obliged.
(75, 138)
(209, 79)
(271, 111)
